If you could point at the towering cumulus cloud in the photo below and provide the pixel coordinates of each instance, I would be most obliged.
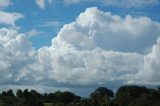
(15, 53)
(97, 48)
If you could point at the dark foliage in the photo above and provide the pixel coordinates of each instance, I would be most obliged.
(137, 96)
(125, 96)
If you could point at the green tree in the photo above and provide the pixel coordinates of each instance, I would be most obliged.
(67, 97)
(101, 96)
(10, 93)
(26, 94)
(19, 93)
(4, 93)
(101, 92)
(136, 96)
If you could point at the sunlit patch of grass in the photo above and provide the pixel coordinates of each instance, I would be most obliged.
(48, 104)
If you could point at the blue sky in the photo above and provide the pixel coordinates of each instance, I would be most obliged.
(78, 45)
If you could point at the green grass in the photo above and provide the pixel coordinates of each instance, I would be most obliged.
(48, 104)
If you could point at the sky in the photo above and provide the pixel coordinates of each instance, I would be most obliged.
(78, 45)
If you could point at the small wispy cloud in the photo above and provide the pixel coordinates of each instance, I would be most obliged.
(118, 3)
(54, 24)
(33, 32)
(42, 3)
(72, 1)
(130, 3)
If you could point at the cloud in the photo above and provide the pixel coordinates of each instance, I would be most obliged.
(72, 1)
(33, 32)
(117, 3)
(105, 31)
(42, 3)
(16, 51)
(4, 3)
(9, 18)
(51, 24)
(97, 48)
(150, 72)
(130, 3)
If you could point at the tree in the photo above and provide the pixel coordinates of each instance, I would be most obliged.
(101, 92)
(101, 96)
(158, 88)
(4, 93)
(26, 94)
(10, 93)
(67, 97)
(19, 93)
(64, 97)
(132, 95)
(35, 94)
(51, 96)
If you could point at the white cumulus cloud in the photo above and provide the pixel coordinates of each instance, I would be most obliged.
(15, 53)
(97, 48)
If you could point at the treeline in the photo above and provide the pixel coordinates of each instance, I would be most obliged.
(125, 96)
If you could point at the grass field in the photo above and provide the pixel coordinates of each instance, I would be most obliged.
(48, 104)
